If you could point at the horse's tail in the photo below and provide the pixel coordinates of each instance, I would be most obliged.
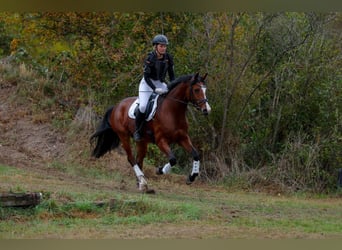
(104, 137)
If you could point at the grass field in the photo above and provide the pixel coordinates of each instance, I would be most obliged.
(70, 210)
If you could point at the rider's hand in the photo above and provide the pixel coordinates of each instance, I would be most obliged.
(160, 91)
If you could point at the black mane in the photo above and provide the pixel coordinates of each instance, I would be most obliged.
(179, 80)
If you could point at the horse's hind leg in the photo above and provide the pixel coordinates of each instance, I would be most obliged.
(137, 163)
(125, 140)
(142, 183)
(141, 153)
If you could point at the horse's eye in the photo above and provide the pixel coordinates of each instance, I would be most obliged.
(197, 91)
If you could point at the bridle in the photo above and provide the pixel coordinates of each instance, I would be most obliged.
(196, 103)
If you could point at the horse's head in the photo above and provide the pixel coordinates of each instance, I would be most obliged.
(198, 95)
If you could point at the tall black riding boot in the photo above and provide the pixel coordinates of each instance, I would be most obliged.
(139, 124)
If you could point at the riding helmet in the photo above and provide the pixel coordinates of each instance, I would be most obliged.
(160, 39)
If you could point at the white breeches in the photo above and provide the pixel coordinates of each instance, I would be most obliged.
(145, 92)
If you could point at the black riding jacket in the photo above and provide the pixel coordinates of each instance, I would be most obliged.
(156, 69)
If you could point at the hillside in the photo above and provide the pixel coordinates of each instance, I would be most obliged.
(24, 143)
(36, 146)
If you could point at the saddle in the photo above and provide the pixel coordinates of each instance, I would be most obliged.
(150, 109)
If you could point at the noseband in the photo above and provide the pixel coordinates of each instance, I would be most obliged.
(197, 104)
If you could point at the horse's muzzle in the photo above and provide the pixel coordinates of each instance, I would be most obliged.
(207, 109)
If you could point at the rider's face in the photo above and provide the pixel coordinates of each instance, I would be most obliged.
(161, 48)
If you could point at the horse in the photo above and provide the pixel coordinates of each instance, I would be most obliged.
(168, 126)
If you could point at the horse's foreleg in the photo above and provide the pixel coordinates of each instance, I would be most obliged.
(165, 148)
(167, 167)
(195, 167)
(187, 145)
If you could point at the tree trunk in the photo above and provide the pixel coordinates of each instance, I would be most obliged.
(20, 199)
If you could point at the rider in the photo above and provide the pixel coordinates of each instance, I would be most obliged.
(156, 65)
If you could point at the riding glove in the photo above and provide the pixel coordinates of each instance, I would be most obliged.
(160, 91)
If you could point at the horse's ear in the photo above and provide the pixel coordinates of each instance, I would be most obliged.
(195, 78)
(205, 76)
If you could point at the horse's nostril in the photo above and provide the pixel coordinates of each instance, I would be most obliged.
(205, 111)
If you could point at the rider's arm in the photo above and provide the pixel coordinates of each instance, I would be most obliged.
(148, 64)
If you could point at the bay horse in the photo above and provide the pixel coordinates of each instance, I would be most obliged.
(169, 125)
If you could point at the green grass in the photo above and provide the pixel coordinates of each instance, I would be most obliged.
(55, 217)
(69, 210)
(6, 170)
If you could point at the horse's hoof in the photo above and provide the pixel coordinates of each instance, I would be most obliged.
(142, 188)
(191, 179)
(150, 191)
(159, 171)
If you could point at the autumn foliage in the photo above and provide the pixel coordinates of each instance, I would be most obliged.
(274, 82)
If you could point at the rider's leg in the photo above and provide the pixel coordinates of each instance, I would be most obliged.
(139, 125)
(144, 94)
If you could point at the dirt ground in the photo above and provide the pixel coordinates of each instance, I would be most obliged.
(31, 145)
(24, 143)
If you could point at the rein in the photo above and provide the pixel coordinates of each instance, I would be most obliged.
(192, 101)
(176, 100)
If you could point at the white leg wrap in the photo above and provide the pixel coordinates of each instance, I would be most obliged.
(167, 168)
(195, 167)
(142, 183)
(140, 175)
(138, 171)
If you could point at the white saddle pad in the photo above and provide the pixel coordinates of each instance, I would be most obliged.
(136, 103)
